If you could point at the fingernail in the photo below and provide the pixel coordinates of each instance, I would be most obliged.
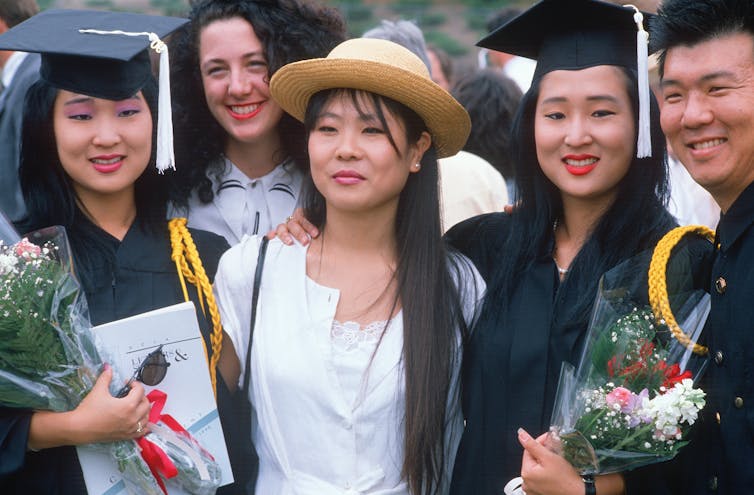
(105, 366)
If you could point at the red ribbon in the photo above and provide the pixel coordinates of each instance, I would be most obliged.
(157, 460)
(158, 398)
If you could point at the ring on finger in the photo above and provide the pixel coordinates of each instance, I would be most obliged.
(288, 218)
(139, 428)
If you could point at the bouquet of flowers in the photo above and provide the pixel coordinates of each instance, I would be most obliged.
(48, 357)
(631, 400)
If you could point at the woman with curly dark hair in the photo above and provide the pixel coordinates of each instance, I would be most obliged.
(242, 158)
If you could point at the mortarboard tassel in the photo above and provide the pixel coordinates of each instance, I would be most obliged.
(644, 139)
(165, 153)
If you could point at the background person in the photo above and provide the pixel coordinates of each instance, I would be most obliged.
(492, 100)
(19, 71)
(243, 159)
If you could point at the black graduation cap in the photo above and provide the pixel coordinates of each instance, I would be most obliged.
(101, 54)
(103, 66)
(578, 34)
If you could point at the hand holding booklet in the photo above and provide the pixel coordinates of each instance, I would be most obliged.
(184, 413)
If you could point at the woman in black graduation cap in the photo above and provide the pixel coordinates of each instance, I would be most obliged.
(88, 163)
(591, 174)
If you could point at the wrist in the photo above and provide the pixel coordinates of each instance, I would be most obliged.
(589, 486)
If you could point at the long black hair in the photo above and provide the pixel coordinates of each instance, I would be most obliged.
(631, 224)
(426, 290)
(290, 30)
(48, 191)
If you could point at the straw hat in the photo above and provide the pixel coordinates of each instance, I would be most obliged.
(381, 67)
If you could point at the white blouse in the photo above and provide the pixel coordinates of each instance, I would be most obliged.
(316, 429)
(244, 206)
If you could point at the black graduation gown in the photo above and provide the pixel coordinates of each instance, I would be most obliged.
(143, 278)
(513, 360)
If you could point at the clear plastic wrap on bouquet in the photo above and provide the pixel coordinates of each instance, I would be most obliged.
(631, 400)
(48, 357)
(48, 354)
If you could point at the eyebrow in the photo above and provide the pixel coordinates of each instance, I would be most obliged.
(705, 78)
(87, 99)
(563, 99)
(367, 117)
(220, 60)
(79, 99)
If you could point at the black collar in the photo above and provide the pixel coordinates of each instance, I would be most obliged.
(737, 219)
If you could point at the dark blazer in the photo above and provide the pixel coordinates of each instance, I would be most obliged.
(11, 116)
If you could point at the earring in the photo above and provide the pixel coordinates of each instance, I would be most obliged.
(417, 166)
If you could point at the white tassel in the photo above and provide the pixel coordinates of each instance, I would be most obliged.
(644, 139)
(165, 153)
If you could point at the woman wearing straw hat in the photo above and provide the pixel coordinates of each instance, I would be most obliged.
(356, 345)
(591, 176)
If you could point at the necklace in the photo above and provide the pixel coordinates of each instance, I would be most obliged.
(561, 271)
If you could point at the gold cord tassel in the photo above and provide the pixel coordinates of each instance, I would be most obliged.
(189, 266)
(658, 287)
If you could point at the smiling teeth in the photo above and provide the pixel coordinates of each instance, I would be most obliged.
(242, 110)
(581, 163)
(707, 144)
(110, 161)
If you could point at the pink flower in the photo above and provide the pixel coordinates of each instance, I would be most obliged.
(26, 249)
(621, 399)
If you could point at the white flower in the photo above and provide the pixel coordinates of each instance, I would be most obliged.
(7, 264)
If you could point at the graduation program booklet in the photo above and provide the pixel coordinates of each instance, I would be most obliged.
(190, 399)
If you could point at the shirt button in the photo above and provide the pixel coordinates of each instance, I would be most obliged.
(738, 402)
(721, 285)
(717, 417)
(719, 358)
(712, 483)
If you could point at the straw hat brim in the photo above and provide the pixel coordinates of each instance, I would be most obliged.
(448, 122)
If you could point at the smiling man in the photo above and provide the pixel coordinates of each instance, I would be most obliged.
(707, 69)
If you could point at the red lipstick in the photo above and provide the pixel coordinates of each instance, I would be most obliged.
(245, 116)
(112, 163)
(586, 165)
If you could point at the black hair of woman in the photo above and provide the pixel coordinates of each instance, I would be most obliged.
(425, 287)
(290, 30)
(631, 222)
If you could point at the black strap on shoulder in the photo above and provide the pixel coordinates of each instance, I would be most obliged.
(254, 298)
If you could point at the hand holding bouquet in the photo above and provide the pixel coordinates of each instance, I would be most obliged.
(48, 357)
(631, 401)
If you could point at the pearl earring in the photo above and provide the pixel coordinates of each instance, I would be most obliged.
(418, 166)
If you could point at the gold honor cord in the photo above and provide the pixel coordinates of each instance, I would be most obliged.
(190, 268)
(658, 287)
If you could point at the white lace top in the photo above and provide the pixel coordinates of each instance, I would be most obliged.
(321, 424)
